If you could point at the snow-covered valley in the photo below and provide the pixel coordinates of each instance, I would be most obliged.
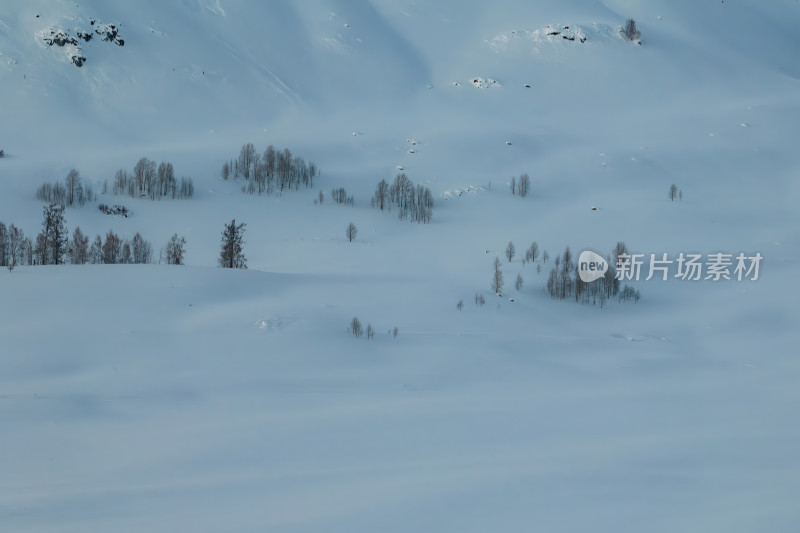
(191, 397)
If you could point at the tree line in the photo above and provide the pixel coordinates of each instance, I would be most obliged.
(53, 246)
(270, 171)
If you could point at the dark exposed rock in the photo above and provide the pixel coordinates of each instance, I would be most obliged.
(59, 38)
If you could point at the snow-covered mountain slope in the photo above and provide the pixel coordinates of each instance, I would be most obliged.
(171, 398)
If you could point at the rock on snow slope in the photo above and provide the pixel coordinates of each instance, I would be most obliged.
(195, 398)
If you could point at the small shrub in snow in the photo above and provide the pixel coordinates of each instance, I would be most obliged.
(631, 33)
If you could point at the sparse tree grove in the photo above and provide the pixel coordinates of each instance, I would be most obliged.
(153, 181)
(66, 194)
(414, 203)
(269, 172)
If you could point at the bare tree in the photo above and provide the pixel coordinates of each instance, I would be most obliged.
(370, 331)
(247, 158)
(381, 197)
(79, 248)
(673, 192)
(3, 245)
(16, 247)
(73, 183)
(518, 282)
(460, 305)
(532, 253)
(621, 249)
(510, 251)
(231, 254)
(142, 251)
(524, 185)
(144, 173)
(497, 277)
(176, 250)
(125, 255)
(352, 231)
(545, 256)
(513, 186)
(395, 331)
(112, 248)
(96, 251)
(355, 327)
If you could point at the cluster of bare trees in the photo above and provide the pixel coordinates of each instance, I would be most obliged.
(564, 281)
(521, 187)
(68, 193)
(357, 330)
(151, 180)
(339, 196)
(113, 250)
(413, 203)
(274, 170)
(674, 193)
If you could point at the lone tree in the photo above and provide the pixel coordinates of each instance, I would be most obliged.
(673, 192)
(176, 249)
(352, 231)
(231, 254)
(510, 251)
(497, 278)
(524, 185)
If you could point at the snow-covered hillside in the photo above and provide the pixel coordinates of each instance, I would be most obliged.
(164, 398)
